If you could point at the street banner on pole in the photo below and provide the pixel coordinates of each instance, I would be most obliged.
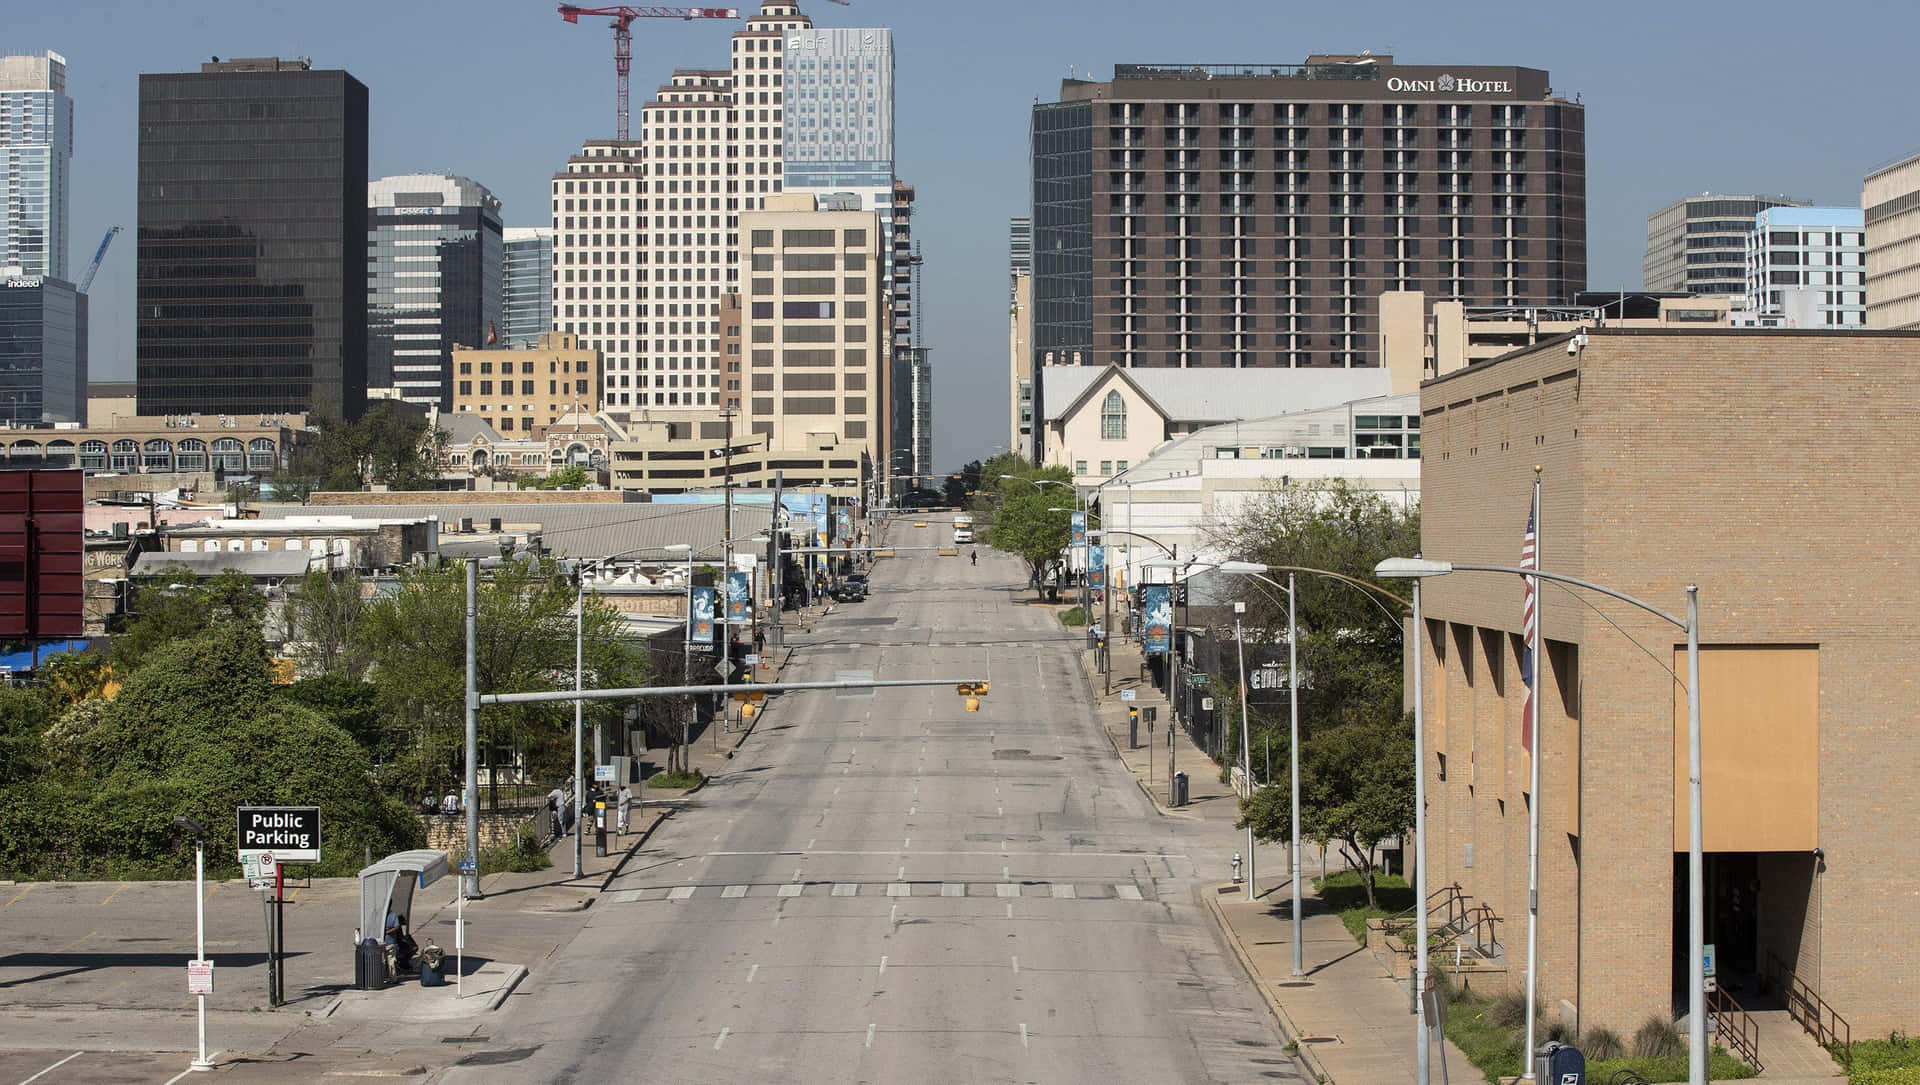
(843, 520)
(820, 528)
(739, 597)
(1156, 605)
(700, 622)
(1097, 568)
(1079, 528)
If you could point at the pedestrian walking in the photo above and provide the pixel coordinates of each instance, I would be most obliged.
(626, 806)
(975, 555)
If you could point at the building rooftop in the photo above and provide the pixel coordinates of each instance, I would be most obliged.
(280, 563)
(1217, 394)
(573, 530)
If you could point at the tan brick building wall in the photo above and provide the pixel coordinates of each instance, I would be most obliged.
(1765, 467)
(522, 392)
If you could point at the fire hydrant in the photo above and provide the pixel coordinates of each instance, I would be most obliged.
(1236, 868)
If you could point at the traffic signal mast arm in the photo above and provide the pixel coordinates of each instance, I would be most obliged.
(672, 691)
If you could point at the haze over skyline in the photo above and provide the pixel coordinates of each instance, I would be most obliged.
(504, 92)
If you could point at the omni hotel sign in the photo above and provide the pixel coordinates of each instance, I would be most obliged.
(1447, 84)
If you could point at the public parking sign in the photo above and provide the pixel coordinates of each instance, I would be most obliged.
(291, 833)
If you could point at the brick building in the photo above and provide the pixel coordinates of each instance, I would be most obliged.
(1753, 464)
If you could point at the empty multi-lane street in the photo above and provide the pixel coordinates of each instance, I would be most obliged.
(886, 887)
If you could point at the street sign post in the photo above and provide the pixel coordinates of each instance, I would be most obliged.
(1126, 695)
(726, 669)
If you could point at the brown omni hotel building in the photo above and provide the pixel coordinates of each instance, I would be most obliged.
(1251, 215)
(1763, 467)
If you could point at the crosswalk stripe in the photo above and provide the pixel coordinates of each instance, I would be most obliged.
(953, 889)
(791, 890)
(845, 889)
(1126, 892)
(680, 892)
(733, 891)
(1062, 891)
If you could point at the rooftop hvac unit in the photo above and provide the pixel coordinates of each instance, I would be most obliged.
(493, 523)
(466, 524)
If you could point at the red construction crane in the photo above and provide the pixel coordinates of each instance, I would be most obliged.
(623, 18)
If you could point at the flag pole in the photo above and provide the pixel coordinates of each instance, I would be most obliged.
(1535, 688)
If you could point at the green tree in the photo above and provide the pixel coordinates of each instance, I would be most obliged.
(176, 604)
(1356, 790)
(415, 637)
(198, 730)
(1026, 525)
(573, 474)
(391, 444)
(322, 614)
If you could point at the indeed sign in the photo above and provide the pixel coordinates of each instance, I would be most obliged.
(1447, 84)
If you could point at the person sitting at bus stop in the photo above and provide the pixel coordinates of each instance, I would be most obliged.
(402, 942)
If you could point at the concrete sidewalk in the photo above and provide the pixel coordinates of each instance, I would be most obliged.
(1348, 1017)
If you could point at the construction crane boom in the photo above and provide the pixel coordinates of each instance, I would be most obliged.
(622, 24)
(99, 255)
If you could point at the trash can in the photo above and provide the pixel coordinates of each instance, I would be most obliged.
(432, 966)
(369, 966)
(1179, 789)
(1555, 1063)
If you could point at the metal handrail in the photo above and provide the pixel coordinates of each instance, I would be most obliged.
(1809, 1010)
(1735, 1027)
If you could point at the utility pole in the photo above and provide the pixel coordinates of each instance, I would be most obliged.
(472, 878)
(725, 624)
(777, 578)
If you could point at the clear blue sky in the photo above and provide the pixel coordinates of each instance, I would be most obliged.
(1757, 97)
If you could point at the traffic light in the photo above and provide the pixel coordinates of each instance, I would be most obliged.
(972, 691)
(748, 710)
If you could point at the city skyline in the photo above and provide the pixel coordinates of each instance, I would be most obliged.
(967, 152)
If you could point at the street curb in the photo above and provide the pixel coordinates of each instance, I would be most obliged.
(1290, 1031)
(637, 845)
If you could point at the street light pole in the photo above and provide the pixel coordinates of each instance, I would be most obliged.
(1293, 748)
(1246, 744)
(472, 877)
(1422, 1029)
(201, 1063)
(579, 655)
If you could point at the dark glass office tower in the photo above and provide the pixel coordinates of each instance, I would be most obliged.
(1250, 216)
(433, 281)
(43, 351)
(252, 261)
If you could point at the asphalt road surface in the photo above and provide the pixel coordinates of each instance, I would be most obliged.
(888, 888)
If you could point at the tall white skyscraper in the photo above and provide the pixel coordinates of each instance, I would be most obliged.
(646, 233)
(36, 143)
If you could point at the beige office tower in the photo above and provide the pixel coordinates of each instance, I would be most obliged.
(814, 325)
(1891, 201)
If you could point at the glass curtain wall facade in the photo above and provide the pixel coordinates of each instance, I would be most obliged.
(252, 241)
(434, 269)
(43, 351)
(526, 307)
(36, 144)
(1063, 233)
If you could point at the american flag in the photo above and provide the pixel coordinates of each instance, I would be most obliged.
(1528, 631)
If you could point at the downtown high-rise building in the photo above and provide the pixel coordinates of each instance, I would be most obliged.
(1698, 245)
(526, 300)
(252, 241)
(1250, 216)
(1808, 264)
(646, 232)
(434, 281)
(36, 145)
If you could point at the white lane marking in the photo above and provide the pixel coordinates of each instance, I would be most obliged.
(899, 889)
(912, 810)
(1126, 892)
(845, 889)
(721, 1039)
(903, 874)
(907, 845)
(810, 841)
(680, 892)
(883, 965)
(1006, 873)
(57, 1066)
(893, 913)
(953, 889)
(1002, 812)
(1063, 892)
(733, 892)
(184, 1073)
(796, 874)
(751, 972)
(1016, 966)
(836, 791)
(846, 770)
(1006, 889)
(1009, 911)
(791, 890)
(1031, 854)
(1023, 1034)
(870, 1026)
